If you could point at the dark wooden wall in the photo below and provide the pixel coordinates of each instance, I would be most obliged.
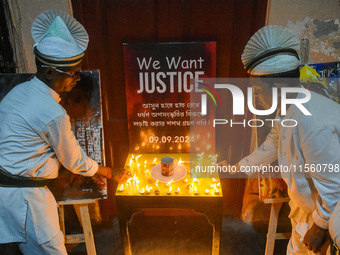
(110, 23)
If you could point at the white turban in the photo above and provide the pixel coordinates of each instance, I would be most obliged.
(272, 49)
(60, 40)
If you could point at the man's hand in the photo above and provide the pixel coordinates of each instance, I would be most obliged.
(315, 238)
(120, 175)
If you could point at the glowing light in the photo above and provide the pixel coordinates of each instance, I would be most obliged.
(169, 191)
(196, 180)
(169, 183)
(142, 191)
(177, 190)
(121, 188)
(207, 191)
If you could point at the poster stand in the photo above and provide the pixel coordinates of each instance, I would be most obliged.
(82, 210)
(272, 235)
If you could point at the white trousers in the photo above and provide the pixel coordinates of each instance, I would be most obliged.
(301, 222)
(55, 246)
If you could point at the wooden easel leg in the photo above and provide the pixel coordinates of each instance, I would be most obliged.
(87, 228)
(61, 218)
(77, 211)
(274, 215)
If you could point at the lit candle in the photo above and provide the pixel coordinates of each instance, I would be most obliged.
(207, 191)
(169, 191)
(196, 191)
(185, 181)
(157, 185)
(128, 184)
(121, 189)
(213, 180)
(216, 191)
(154, 162)
(218, 185)
(196, 180)
(177, 191)
(148, 189)
(146, 173)
(169, 183)
(138, 165)
(142, 191)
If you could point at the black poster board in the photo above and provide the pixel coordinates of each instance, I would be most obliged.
(83, 105)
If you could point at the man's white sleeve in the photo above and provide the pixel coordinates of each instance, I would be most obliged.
(266, 153)
(60, 137)
(321, 149)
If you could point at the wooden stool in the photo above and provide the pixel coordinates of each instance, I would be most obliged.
(82, 211)
(276, 204)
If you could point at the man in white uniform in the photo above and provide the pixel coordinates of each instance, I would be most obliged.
(334, 230)
(36, 138)
(310, 150)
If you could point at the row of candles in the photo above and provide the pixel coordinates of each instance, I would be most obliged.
(138, 171)
(132, 186)
(136, 167)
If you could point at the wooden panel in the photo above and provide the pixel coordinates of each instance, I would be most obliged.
(110, 23)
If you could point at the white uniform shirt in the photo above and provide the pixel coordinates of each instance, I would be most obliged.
(315, 140)
(334, 225)
(35, 138)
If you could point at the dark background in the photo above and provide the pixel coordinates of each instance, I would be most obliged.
(110, 23)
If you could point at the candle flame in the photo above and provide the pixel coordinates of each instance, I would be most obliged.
(154, 161)
(145, 162)
(169, 183)
(196, 180)
(180, 161)
(138, 156)
(147, 188)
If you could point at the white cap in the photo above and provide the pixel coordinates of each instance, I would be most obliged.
(272, 49)
(60, 40)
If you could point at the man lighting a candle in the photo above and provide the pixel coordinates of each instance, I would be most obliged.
(36, 137)
(272, 61)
